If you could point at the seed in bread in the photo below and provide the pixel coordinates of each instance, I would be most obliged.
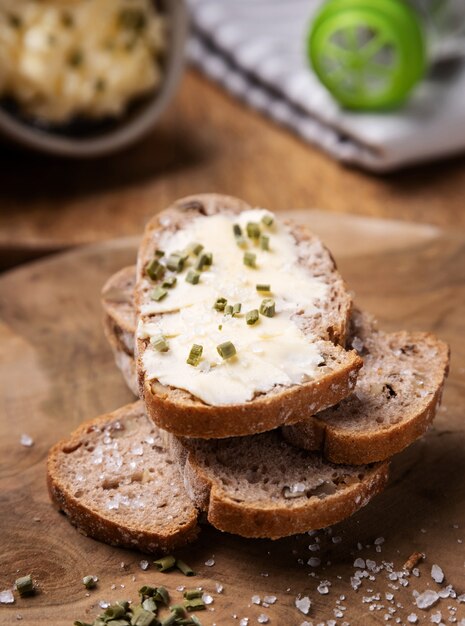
(394, 401)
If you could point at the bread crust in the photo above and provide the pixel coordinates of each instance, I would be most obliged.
(181, 413)
(271, 521)
(356, 447)
(93, 523)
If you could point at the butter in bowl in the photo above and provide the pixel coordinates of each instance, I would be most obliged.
(85, 78)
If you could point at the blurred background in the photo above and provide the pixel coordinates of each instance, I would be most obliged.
(112, 109)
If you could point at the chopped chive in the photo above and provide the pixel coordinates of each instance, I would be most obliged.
(237, 308)
(169, 281)
(159, 343)
(250, 259)
(192, 277)
(264, 242)
(226, 350)
(204, 260)
(251, 317)
(176, 262)
(147, 592)
(209, 258)
(124, 604)
(228, 309)
(220, 304)
(162, 595)
(195, 621)
(195, 248)
(196, 604)
(79, 623)
(189, 594)
(237, 230)
(262, 287)
(170, 620)
(141, 617)
(158, 294)
(165, 563)
(178, 610)
(115, 611)
(184, 568)
(195, 355)
(267, 307)
(149, 604)
(89, 582)
(253, 230)
(220, 327)
(25, 585)
(268, 220)
(159, 253)
(154, 269)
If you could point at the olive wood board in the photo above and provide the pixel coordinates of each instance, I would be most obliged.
(57, 370)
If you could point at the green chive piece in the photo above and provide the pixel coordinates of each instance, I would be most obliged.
(237, 230)
(250, 259)
(147, 592)
(79, 623)
(268, 220)
(192, 277)
(226, 350)
(162, 595)
(262, 287)
(220, 327)
(251, 317)
(158, 294)
(89, 582)
(196, 604)
(169, 282)
(115, 611)
(228, 309)
(220, 304)
(194, 358)
(171, 620)
(165, 563)
(159, 343)
(189, 594)
(149, 604)
(237, 309)
(253, 230)
(178, 610)
(155, 270)
(115, 622)
(267, 307)
(209, 258)
(195, 248)
(159, 253)
(176, 262)
(204, 260)
(184, 568)
(141, 617)
(25, 585)
(123, 603)
(264, 242)
(195, 621)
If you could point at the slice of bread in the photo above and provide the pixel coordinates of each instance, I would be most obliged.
(261, 486)
(115, 480)
(395, 398)
(176, 410)
(118, 479)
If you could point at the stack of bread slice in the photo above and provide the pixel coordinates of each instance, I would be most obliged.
(287, 426)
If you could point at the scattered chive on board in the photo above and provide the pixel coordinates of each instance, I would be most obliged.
(165, 563)
(158, 294)
(192, 277)
(226, 350)
(184, 568)
(196, 604)
(194, 356)
(250, 259)
(189, 594)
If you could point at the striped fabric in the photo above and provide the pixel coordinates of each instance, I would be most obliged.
(256, 50)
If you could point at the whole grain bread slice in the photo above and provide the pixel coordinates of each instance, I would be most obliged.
(181, 413)
(261, 486)
(116, 481)
(394, 401)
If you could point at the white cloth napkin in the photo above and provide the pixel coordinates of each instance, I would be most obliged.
(256, 49)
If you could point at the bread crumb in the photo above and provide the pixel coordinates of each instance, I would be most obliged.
(413, 560)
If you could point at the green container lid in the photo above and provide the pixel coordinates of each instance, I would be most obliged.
(368, 54)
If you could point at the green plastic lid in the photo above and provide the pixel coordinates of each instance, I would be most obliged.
(368, 54)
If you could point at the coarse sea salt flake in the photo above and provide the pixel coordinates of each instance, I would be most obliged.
(437, 574)
(436, 617)
(256, 599)
(270, 599)
(144, 565)
(207, 598)
(412, 618)
(219, 588)
(314, 561)
(303, 604)
(210, 562)
(6, 597)
(426, 599)
(26, 440)
(360, 563)
(244, 621)
(323, 589)
(263, 619)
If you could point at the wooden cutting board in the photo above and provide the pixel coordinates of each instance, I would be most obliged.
(56, 370)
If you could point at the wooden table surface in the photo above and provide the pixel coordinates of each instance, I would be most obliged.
(206, 141)
(56, 370)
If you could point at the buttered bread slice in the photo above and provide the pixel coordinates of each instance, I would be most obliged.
(240, 318)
